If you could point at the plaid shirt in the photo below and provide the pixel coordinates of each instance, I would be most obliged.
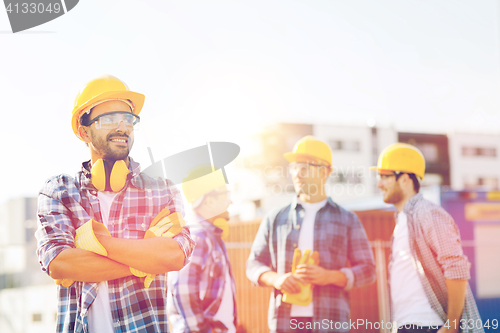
(188, 311)
(65, 203)
(435, 245)
(340, 240)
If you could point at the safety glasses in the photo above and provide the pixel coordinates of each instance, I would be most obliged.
(110, 121)
(396, 174)
(304, 169)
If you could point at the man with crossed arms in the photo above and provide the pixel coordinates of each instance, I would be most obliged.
(94, 235)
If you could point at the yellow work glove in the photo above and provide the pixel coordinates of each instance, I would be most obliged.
(163, 225)
(64, 282)
(304, 297)
(86, 239)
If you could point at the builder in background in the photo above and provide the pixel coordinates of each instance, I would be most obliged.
(428, 270)
(91, 227)
(202, 296)
(312, 294)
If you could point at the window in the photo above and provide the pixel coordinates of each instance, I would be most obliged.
(336, 145)
(430, 152)
(479, 151)
(490, 152)
(345, 178)
(346, 145)
(351, 145)
(487, 183)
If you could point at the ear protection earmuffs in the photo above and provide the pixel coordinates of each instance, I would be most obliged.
(108, 175)
(222, 224)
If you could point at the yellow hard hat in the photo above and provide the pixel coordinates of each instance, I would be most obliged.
(310, 149)
(105, 87)
(195, 186)
(401, 157)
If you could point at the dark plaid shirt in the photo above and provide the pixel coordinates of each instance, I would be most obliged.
(342, 244)
(435, 245)
(188, 311)
(65, 203)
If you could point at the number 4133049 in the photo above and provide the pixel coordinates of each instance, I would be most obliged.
(472, 324)
(33, 8)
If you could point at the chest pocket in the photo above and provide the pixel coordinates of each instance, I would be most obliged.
(136, 227)
(333, 251)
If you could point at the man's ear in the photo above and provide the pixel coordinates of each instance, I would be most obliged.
(83, 134)
(208, 200)
(407, 180)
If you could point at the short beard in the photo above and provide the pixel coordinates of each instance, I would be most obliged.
(106, 151)
(395, 197)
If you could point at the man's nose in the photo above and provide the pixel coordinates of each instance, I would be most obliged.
(302, 173)
(122, 127)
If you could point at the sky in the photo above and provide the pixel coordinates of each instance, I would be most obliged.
(221, 70)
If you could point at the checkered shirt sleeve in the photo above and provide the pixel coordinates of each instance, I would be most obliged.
(435, 243)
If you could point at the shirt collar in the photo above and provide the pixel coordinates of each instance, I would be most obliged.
(201, 222)
(295, 202)
(410, 205)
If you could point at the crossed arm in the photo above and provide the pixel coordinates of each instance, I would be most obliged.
(147, 255)
(61, 260)
(60, 203)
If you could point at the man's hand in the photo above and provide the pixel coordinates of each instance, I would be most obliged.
(313, 274)
(304, 295)
(64, 282)
(163, 225)
(320, 276)
(456, 299)
(88, 237)
(287, 283)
